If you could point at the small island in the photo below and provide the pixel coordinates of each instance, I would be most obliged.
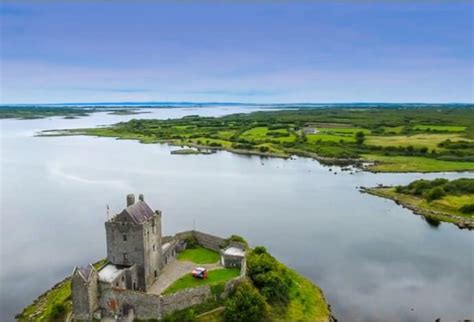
(191, 276)
(438, 200)
(378, 139)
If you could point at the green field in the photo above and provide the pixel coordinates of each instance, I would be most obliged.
(430, 141)
(214, 277)
(199, 255)
(440, 128)
(415, 164)
(400, 139)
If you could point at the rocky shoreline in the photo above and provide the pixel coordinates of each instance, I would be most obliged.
(460, 222)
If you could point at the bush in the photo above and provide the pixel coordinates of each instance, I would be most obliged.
(435, 193)
(191, 242)
(58, 310)
(467, 209)
(268, 276)
(245, 305)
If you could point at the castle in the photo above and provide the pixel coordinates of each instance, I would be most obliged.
(137, 253)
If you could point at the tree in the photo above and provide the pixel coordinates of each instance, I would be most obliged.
(245, 304)
(435, 193)
(360, 137)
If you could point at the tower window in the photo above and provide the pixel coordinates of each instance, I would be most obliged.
(125, 258)
(156, 273)
(154, 248)
(124, 237)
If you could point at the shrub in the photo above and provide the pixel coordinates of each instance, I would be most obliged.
(467, 209)
(58, 310)
(191, 242)
(245, 305)
(360, 137)
(435, 193)
(269, 276)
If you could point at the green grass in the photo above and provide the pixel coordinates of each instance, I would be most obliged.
(199, 255)
(58, 295)
(214, 277)
(415, 164)
(443, 128)
(314, 138)
(430, 141)
(345, 130)
(307, 302)
(393, 129)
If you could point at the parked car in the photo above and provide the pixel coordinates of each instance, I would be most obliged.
(200, 273)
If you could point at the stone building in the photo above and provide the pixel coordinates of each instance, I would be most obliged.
(134, 257)
(134, 239)
(137, 253)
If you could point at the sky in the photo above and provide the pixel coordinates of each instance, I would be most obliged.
(230, 51)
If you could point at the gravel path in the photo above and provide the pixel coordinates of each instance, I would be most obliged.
(174, 271)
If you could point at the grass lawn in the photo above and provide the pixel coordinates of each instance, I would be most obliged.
(199, 255)
(416, 164)
(214, 277)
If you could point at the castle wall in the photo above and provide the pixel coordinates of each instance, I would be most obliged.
(84, 296)
(120, 302)
(117, 302)
(209, 241)
(129, 243)
(152, 249)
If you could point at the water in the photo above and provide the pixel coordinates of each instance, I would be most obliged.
(374, 260)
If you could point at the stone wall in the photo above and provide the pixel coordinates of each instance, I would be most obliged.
(121, 303)
(184, 299)
(210, 241)
(117, 302)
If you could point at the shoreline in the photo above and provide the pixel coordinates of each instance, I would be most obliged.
(360, 164)
(429, 214)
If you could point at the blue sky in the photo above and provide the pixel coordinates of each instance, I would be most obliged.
(251, 51)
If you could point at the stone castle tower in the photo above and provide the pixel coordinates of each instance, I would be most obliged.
(134, 238)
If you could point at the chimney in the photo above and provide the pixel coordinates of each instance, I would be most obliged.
(130, 199)
(140, 197)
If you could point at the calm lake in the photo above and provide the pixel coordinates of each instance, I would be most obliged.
(374, 260)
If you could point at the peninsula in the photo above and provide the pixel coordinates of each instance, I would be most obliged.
(191, 276)
(379, 139)
(437, 200)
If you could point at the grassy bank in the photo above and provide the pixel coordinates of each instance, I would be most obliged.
(437, 200)
(272, 292)
(396, 139)
(53, 305)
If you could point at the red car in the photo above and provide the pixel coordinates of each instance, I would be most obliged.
(200, 273)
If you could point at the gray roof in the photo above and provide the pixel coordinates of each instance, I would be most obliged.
(85, 272)
(139, 212)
